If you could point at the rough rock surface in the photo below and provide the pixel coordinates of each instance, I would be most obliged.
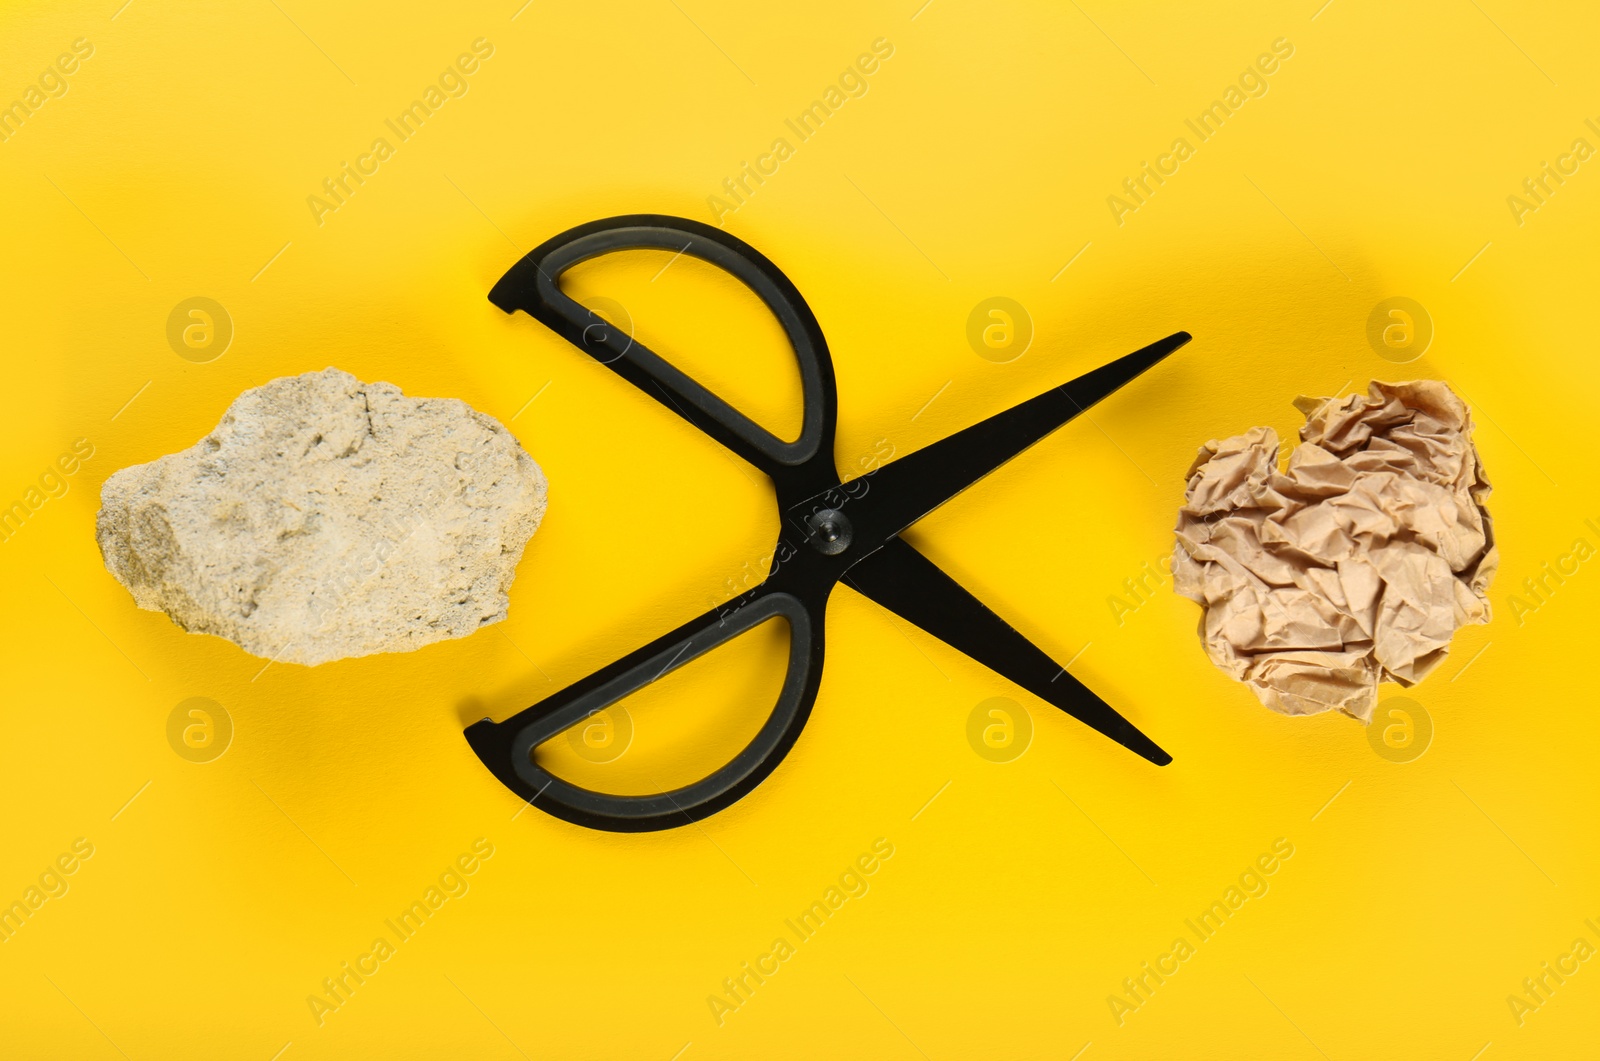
(325, 518)
(1353, 566)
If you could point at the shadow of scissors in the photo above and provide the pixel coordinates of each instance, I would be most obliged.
(830, 532)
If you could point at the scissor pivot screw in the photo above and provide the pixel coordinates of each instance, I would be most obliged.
(829, 531)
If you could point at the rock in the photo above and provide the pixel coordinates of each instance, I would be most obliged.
(326, 518)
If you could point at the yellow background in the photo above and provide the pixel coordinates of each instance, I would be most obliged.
(978, 164)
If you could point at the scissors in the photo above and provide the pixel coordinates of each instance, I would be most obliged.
(830, 532)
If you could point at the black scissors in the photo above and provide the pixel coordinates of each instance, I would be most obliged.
(830, 532)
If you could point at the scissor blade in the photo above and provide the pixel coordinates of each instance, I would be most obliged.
(914, 588)
(903, 491)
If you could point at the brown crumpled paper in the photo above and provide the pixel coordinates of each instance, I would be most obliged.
(1353, 566)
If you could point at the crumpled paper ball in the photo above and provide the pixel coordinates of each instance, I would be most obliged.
(1353, 566)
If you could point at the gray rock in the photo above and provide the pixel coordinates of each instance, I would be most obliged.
(326, 518)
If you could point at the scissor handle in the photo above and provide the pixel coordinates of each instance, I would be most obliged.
(506, 748)
(532, 285)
